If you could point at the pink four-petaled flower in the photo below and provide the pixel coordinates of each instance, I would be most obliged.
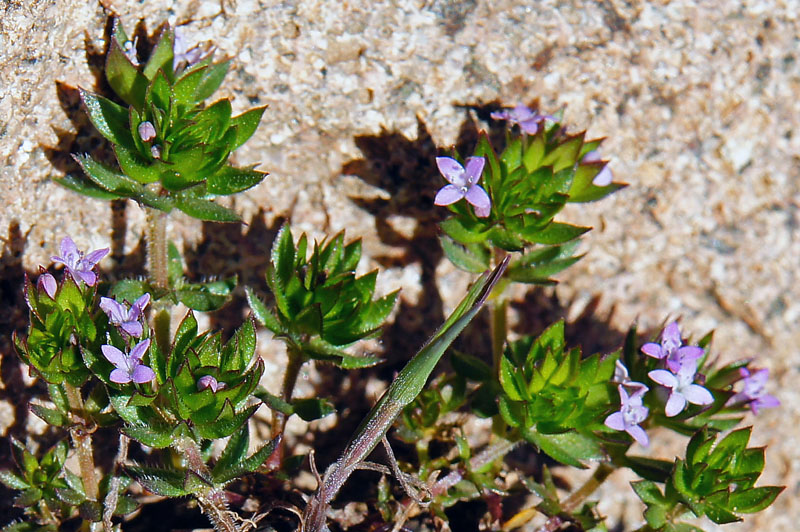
(754, 392)
(670, 349)
(207, 381)
(463, 184)
(631, 413)
(129, 367)
(682, 388)
(527, 118)
(79, 266)
(121, 316)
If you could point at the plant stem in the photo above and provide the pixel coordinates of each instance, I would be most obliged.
(212, 500)
(157, 265)
(296, 361)
(577, 497)
(82, 441)
(112, 497)
(498, 310)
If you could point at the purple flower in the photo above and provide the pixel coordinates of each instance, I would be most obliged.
(528, 119)
(671, 350)
(147, 131)
(126, 319)
(47, 283)
(182, 54)
(754, 392)
(78, 266)
(604, 176)
(682, 387)
(207, 381)
(463, 184)
(129, 49)
(621, 377)
(631, 413)
(129, 367)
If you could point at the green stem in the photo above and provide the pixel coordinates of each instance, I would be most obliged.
(279, 419)
(82, 441)
(212, 500)
(498, 310)
(157, 258)
(599, 476)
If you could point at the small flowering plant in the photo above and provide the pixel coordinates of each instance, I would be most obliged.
(184, 399)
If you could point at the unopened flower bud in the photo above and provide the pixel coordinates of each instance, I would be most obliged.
(155, 151)
(146, 131)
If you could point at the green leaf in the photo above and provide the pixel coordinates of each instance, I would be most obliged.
(135, 166)
(541, 274)
(229, 180)
(283, 254)
(110, 119)
(211, 81)
(246, 466)
(161, 56)
(157, 437)
(246, 124)
(569, 448)
(12, 480)
(49, 415)
(753, 500)
(206, 296)
(86, 188)
(235, 450)
(319, 349)
(273, 401)
(649, 492)
(262, 313)
(312, 408)
(205, 210)
(226, 424)
(123, 77)
(464, 230)
(474, 259)
(557, 233)
(162, 482)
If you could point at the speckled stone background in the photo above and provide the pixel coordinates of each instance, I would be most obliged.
(699, 101)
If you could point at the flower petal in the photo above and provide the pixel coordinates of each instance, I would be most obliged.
(653, 350)
(591, 156)
(639, 435)
(207, 381)
(451, 170)
(95, 256)
(140, 349)
(138, 306)
(615, 421)
(530, 126)
(480, 200)
(115, 356)
(671, 337)
(120, 376)
(448, 194)
(68, 248)
(675, 404)
(142, 374)
(117, 313)
(603, 178)
(664, 378)
(133, 328)
(86, 276)
(473, 169)
(47, 283)
(697, 395)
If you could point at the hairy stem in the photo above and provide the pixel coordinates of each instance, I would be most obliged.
(82, 441)
(157, 262)
(212, 500)
(112, 497)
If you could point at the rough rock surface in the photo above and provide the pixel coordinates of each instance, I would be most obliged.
(698, 101)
